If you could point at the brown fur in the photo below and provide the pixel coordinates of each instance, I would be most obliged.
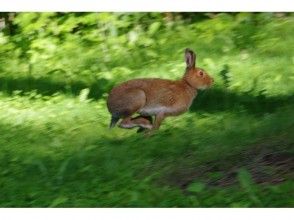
(157, 97)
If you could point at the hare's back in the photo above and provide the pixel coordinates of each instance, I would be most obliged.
(147, 83)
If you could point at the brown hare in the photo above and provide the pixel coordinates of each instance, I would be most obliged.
(156, 97)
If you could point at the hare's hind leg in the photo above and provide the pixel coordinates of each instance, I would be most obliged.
(139, 121)
(127, 123)
(129, 103)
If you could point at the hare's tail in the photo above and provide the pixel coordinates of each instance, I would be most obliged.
(114, 120)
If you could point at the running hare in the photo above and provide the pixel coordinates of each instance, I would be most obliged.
(156, 97)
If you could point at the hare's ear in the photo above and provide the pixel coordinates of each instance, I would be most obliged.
(190, 58)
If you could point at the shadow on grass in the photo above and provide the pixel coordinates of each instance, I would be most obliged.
(212, 100)
(46, 86)
(219, 99)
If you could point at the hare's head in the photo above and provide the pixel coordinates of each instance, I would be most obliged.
(194, 76)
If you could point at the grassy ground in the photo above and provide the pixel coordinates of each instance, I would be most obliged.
(234, 148)
(58, 151)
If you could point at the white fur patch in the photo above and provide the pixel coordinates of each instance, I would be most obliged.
(132, 125)
(156, 110)
(149, 126)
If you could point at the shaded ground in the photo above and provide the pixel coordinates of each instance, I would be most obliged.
(265, 164)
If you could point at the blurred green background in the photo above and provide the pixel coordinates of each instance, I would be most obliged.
(234, 148)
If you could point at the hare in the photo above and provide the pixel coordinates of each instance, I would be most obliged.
(156, 97)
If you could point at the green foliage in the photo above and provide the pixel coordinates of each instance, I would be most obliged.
(196, 187)
(247, 183)
(232, 149)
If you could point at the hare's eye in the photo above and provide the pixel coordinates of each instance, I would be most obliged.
(201, 73)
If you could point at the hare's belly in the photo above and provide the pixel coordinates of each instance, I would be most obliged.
(154, 110)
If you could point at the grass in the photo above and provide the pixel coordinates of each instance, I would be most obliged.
(234, 148)
(58, 151)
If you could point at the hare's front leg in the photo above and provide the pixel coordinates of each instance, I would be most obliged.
(158, 119)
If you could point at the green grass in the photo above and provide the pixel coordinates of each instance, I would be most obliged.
(58, 151)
